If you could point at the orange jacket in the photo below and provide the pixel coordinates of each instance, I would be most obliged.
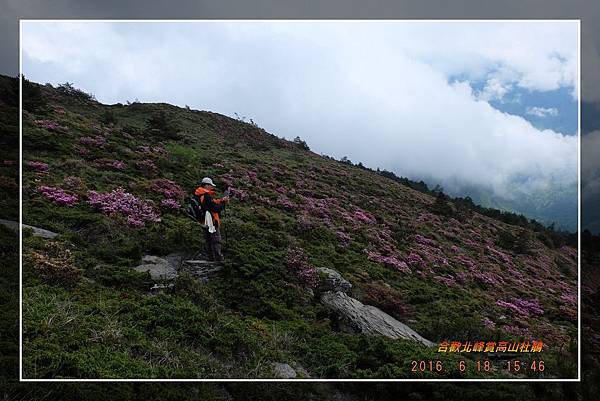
(210, 203)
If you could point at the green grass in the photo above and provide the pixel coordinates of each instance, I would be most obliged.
(258, 312)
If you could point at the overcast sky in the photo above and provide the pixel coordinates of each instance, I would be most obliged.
(418, 98)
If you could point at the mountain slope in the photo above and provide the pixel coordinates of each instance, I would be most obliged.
(449, 273)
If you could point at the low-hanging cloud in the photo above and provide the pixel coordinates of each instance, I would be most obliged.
(394, 95)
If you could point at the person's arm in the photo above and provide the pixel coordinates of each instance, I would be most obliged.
(212, 205)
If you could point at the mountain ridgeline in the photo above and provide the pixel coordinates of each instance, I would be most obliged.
(111, 181)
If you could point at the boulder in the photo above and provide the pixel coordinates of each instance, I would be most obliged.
(368, 319)
(37, 232)
(331, 280)
(283, 371)
(159, 268)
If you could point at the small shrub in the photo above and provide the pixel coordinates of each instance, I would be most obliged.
(300, 143)
(68, 89)
(163, 126)
(108, 117)
(54, 264)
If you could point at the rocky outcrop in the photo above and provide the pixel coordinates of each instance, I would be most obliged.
(170, 266)
(283, 371)
(159, 268)
(286, 371)
(37, 232)
(331, 280)
(354, 315)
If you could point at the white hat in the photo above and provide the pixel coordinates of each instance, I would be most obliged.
(208, 181)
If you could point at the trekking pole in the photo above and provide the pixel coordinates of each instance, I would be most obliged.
(226, 193)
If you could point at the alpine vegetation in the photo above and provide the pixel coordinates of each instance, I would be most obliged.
(330, 269)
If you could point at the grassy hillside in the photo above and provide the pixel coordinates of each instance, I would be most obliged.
(448, 272)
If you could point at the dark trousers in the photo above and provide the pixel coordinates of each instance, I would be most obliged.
(213, 244)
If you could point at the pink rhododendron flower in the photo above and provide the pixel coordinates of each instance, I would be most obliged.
(238, 193)
(58, 195)
(38, 167)
(390, 261)
(364, 216)
(419, 239)
(343, 237)
(167, 188)
(522, 307)
(96, 141)
(171, 204)
(50, 125)
(119, 202)
(297, 261)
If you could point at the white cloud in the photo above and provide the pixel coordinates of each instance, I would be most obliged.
(377, 92)
(495, 89)
(542, 111)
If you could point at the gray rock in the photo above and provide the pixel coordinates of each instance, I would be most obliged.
(159, 268)
(368, 319)
(332, 280)
(38, 232)
(161, 287)
(283, 371)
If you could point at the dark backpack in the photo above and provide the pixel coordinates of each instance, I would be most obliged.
(195, 210)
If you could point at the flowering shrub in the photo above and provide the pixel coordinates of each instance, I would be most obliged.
(238, 193)
(414, 259)
(390, 261)
(81, 151)
(58, 195)
(343, 237)
(522, 307)
(499, 254)
(569, 312)
(466, 261)
(147, 166)
(96, 141)
(113, 164)
(297, 261)
(487, 322)
(38, 167)
(304, 223)
(284, 202)
(485, 278)
(446, 280)
(455, 249)
(119, 202)
(50, 125)
(152, 151)
(317, 207)
(227, 179)
(363, 216)
(171, 204)
(419, 239)
(167, 188)
(569, 298)
(516, 330)
(264, 200)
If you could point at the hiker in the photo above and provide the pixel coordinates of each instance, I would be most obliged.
(212, 219)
